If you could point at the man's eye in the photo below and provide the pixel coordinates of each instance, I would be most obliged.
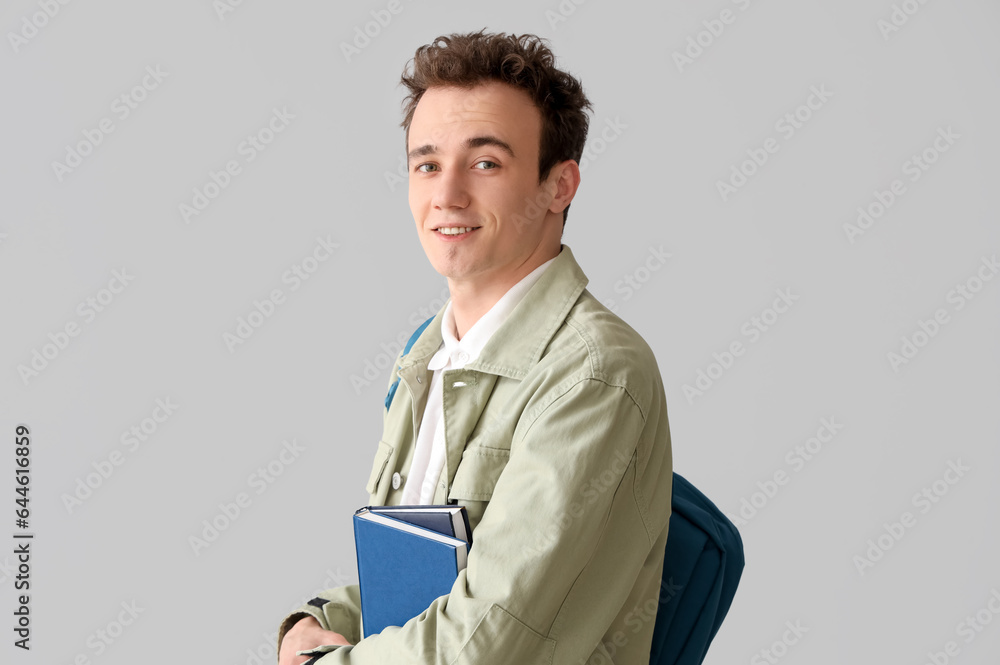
(492, 165)
(420, 167)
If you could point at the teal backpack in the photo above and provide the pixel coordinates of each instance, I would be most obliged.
(701, 570)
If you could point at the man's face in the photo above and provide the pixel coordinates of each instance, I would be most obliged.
(482, 217)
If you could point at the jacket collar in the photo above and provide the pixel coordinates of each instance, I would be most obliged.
(518, 344)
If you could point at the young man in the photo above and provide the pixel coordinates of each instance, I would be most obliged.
(525, 400)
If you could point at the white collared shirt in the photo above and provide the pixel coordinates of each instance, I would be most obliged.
(454, 353)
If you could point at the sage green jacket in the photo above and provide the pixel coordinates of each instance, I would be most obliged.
(559, 448)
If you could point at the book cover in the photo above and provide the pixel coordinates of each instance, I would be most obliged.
(403, 567)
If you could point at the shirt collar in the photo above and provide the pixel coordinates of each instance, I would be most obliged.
(462, 351)
(516, 348)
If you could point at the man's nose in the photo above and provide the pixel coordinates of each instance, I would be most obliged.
(451, 190)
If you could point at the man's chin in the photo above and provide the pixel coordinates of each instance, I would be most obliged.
(454, 271)
(448, 261)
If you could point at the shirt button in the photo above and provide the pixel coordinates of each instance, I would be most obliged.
(395, 480)
(463, 357)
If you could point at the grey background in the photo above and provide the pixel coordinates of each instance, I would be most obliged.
(654, 186)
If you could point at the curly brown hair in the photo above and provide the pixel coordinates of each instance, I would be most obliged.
(523, 61)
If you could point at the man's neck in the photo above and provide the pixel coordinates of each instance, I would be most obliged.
(471, 300)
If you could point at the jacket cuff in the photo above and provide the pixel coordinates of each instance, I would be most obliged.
(337, 609)
(294, 618)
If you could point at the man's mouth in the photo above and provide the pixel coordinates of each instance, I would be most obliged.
(455, 230)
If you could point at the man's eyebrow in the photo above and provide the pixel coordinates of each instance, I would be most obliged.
(474, 142)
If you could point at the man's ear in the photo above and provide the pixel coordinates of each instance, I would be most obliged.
(566, 176)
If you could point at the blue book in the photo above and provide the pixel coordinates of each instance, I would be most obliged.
(450, 520)
(402, 564)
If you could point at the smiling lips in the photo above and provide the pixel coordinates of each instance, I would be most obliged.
(455, 230)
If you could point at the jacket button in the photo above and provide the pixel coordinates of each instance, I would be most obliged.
(395, 480)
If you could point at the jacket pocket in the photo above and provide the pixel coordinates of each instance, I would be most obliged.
(475, 479)
(382, 456)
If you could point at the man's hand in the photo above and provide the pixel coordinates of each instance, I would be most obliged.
(306, 634)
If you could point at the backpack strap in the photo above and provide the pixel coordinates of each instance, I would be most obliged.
(406, 349)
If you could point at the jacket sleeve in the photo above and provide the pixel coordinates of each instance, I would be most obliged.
(557, 551)
(337, 609)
